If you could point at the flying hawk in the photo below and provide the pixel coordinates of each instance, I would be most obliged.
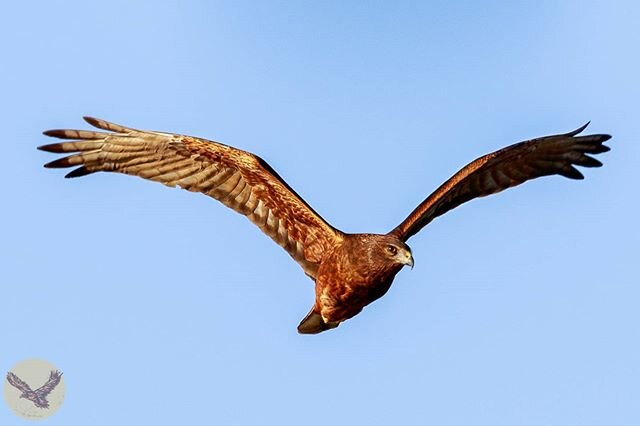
(38, 396)
(350, 270)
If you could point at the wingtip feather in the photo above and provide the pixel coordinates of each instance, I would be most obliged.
(56, 148)
(579, 129)
(57, 133)
(95, 122)
(588, 161)
(107, 125)
(53, 165)
(79, 172)
(571, 173)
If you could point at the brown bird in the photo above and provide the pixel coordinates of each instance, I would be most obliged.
(350, 270)
(38, 396)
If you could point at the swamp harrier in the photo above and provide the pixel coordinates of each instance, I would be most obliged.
(350, 270)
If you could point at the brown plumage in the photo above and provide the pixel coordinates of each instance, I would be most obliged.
(38, 396)
(350, 270)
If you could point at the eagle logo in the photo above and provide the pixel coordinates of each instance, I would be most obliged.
(39, 396)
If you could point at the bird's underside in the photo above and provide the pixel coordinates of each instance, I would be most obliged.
(350, 270)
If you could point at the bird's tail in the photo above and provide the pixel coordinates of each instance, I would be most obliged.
(314, 324)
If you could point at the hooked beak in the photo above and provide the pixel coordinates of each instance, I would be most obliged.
(409, 259)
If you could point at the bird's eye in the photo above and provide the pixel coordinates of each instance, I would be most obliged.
(392, 250)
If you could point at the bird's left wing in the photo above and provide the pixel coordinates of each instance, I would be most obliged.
(18, 383)
(240, 180)
(510, 166)
(54, 379)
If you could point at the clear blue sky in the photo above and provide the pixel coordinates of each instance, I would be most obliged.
(163, 307)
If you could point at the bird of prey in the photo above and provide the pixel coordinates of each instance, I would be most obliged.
(38, 396)
(350, 270)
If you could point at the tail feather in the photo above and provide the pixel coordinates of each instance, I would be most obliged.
(314, 324)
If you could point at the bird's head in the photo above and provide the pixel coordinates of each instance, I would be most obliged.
(388, 250)
(397, 251)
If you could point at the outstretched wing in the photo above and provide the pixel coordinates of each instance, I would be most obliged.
(17, 383)
(510, 166)
(54, 379)
(238, 179)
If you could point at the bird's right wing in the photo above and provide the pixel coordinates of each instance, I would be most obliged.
(18, 383)
(510, 166)
(54, 379)
(240, 180)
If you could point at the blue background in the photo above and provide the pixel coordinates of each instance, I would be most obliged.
(163, 307)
